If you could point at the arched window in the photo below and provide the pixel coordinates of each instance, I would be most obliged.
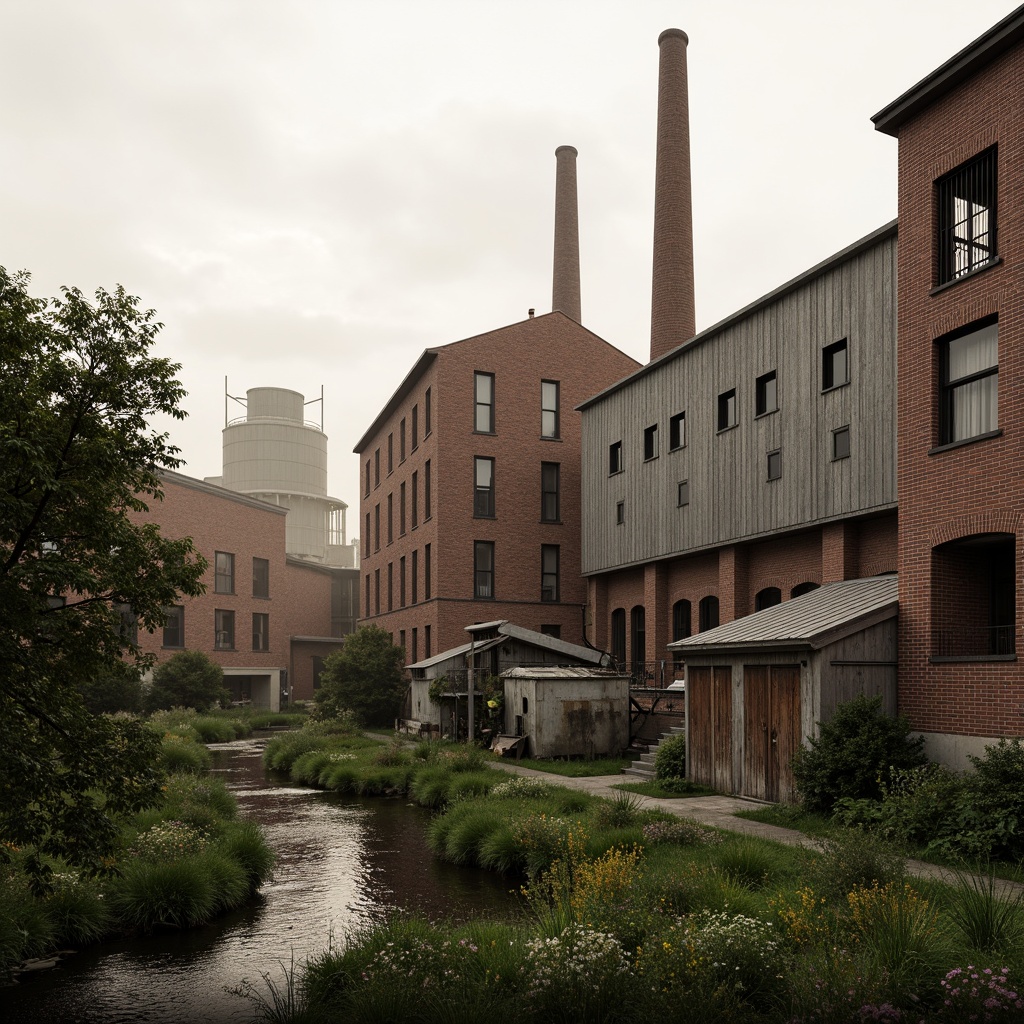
(619, 636)
(680, 626)
(707, 613)
(638, 640)
(803, 588)
(767, 598)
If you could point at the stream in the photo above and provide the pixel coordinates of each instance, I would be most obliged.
(343, 862)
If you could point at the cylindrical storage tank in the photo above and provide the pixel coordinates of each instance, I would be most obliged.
(273, 450)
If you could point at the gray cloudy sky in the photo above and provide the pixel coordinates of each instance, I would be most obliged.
(312, 192)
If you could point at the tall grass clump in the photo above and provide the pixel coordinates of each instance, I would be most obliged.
(245, 844)
(156, 893)
(988, 922)
(183, 754)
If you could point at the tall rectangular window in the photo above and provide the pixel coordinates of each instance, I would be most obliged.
(414, 433)
(376, 527)
(391, 454)
(483, 488)
(376, 591)
(427, 426)
(367, 477)
(840, 443)
(966, 199)
(775, 465)
(426, 489)
(401, 582)
(550, 481)
(549, 572)
(615, 458)
(683, 493)
(483, 387)
(401, 440)
(415, 644)
(391, 521)
(970, 382)
(835, 365)
(174, 626)
(223, 573)
(415, 500)
(677, 431)
(366, 537)
(426, 572)
(415, 577)
(766, 394)
(366, 601)
(260, 631)
(651, 442)
(260, 577)
(401, 509)
(426, 641)
(549, 425)
(376, 467)
(727, 411)
(391, 586)
(223, 630)
(620, 513)
(483, 569)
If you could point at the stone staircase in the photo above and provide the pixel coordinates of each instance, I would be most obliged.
(644, 768)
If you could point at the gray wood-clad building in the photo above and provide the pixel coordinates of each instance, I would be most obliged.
(756, 687)
(755, 460)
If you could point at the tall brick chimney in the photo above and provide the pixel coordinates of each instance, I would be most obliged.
(565, 283)
(673, 319)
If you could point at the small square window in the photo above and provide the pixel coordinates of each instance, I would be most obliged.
(615, 458)
(620, 512)
(835, 366)
(767, 396)
(677, 431)
(683, 493)
(727, 410)
(774, 465)
(840, 443)
(651, 442)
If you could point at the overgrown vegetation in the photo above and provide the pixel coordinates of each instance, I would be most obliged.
(364, 679)
(854, 747)
(177, 864)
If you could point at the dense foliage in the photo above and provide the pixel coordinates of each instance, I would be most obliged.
(118, 688)
(363, 679)
(670, 758)
(78, 462)
(855, 747)
(188, 679)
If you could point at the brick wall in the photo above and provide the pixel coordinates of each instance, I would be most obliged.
(978, 487)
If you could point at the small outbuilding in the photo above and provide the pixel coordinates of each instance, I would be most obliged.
(493, 648)
(568, 711)
(757, 686)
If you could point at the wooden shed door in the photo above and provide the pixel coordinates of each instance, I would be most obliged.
(709, 719)
(771, 734)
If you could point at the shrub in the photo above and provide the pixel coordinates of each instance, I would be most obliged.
(670, 759)
(76, 909)
(683, 832)
(188, 679)
(851, 858)
(364, 679)
(854, 748)
(118, 689)
(996, 799)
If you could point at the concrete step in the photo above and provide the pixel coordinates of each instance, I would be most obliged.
(640, 773)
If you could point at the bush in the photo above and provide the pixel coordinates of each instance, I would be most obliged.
(188, 679)
(670, 759)
(119, 689)
(852, 859)
(855, 747)
(995, 800)
(363, 679)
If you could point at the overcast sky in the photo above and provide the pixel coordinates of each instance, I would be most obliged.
(312, 192)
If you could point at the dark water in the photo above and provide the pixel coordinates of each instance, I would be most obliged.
(342, 863)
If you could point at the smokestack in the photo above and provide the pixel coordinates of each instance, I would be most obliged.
(565, 284)
(673, 319)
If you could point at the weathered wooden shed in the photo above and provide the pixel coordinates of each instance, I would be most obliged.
(495, 647)
(757, 686)
(568, 711)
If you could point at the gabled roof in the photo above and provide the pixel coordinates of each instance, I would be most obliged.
(808, 622)
(969, 61)
(509, 630)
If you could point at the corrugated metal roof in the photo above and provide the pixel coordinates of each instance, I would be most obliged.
(559, 672)
(811, 620)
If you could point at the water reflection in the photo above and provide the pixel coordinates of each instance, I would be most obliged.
(342, 863)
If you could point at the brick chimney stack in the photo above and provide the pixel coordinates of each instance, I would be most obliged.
(565, 285)
(673, 319)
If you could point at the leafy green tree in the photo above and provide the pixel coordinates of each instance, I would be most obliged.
(188, 679)
(855, 747)
(364, 678)
(78, 465)
(119, 689)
